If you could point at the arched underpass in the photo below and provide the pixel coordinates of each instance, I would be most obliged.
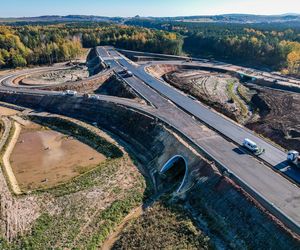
(175, 172)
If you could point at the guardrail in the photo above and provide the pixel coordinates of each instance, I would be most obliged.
(289, 222)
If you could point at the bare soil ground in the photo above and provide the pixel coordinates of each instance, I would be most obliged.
(272, 113)
(5, 72)
(44, 158)
(7, 112)
(77, 214)
(84, 55)
(279, 117)
(215, 89)
(74, 74)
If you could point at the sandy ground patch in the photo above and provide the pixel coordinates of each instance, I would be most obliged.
(44, 158)
(5, 72)
(6, 111)
(74, 74)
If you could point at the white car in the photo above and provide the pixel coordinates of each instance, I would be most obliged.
(95, 97)
(70, 92)
(129, 74)
(125, 73)
(252, 146)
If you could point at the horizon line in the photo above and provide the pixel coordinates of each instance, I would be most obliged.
(196, 15)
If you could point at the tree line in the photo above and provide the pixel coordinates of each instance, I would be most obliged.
(274, 46)
(22, 45)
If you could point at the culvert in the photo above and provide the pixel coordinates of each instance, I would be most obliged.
(171, 168)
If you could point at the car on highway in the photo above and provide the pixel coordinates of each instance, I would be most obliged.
(70, 93)
(129, 74)
(252, 146)
(86, 95)
(94, 97)
(125, 73)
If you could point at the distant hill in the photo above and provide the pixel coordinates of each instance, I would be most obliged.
(69, 18)
(235, 18)
(226, 18)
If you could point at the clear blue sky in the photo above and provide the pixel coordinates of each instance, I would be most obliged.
(20, 8)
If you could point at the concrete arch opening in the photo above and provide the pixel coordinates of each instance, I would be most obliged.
(175, 171)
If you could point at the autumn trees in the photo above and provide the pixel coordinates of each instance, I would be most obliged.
(266, 45)
(133, 38)
(47, 44)
(21, 46)
(292, 51)
(258, 47)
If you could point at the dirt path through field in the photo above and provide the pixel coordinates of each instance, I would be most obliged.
(8, 169)
(135, 213)
(109, 242)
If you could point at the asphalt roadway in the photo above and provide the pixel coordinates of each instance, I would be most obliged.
(177, 110)
(221, 143)
(223, 125)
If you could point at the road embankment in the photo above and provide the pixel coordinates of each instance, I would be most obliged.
(152, 145)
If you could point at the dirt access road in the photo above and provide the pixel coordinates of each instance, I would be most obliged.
(6, 160)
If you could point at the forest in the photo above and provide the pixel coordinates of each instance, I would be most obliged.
(22, 45)
(266, 45)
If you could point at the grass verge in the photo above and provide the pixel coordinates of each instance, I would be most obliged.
(162, 226)
(236, 99)
(80, 223)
